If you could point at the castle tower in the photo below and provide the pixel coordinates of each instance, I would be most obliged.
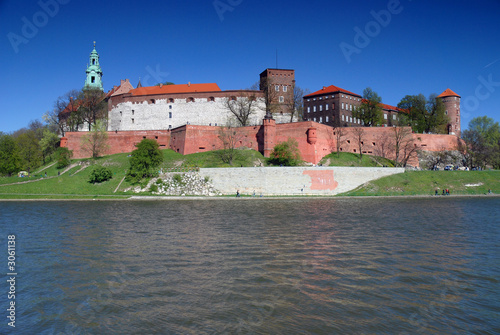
(279, 85)
(451, 102)
(94, 72)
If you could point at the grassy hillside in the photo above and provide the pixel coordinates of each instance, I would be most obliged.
(351, 159)
(426, 182)
(74, 180)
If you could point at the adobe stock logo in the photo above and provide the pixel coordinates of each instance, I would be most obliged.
(372, 29)
(29, 29)
(222, 6)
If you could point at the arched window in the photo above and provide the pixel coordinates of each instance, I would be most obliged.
(190, 99)
(211, 99)
(170, 100)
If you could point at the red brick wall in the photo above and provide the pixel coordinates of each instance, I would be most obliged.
(121, 141)
(192, 139)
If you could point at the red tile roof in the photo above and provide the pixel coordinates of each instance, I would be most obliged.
(331, 89)
(448, 93)
(389, 107)
(170, 89)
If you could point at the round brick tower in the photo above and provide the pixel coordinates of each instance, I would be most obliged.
(451, 102)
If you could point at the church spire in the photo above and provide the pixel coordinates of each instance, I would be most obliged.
(94, 72)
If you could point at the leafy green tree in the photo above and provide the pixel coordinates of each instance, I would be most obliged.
(424, 115)
(145, 160)
(229, 138)
(286, 153)
(10, 162)
(29, 150)
(95, 142)
(100, 174)
(415, 105)
(63, 157)
(483, 142)
(48, 144)
(370, 110)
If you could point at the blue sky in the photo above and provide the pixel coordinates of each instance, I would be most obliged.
(414, 47)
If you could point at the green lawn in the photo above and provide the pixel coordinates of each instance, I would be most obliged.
(426, 182)
(351, 159)
(75, 183)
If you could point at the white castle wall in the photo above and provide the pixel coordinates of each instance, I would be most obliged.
(293, 180)
(166, 115)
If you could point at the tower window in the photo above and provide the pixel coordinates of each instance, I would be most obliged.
(282, 99)
(285, 88)
(277, 88)
(169, 115)
(93, 61)
(92, 79)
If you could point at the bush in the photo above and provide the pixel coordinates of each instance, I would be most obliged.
(145, 161)
(286, 153)
(100, 174)
(178, 179)
(153, 188)
(63, 157)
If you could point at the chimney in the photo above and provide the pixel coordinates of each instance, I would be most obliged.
(324, 87)
(189, 84)
(161, 85)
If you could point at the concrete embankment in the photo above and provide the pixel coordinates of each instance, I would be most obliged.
(293, 180)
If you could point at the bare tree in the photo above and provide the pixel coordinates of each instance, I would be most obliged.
(58, 118)
(338, 133)
(294, 102)
(241, 108)
(93, 107)
(384, 144)
(404, 145)
(95, 142)
(359, 136)
(271, 95)
(229, 138)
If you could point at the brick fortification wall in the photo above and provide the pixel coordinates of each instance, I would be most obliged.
(315, 140)
(118, 141)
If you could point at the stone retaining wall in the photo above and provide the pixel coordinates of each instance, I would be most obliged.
(293, 180)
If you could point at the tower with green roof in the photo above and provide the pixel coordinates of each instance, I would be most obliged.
(94, 72)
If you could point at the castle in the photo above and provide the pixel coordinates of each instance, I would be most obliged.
(187, 119)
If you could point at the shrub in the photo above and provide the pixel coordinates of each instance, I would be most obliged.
(144, 161)
(153, 188)
(178, 179)
(100, 174)
(286, 153)
(63, 157)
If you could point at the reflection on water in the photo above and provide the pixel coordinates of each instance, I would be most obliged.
(301, 266)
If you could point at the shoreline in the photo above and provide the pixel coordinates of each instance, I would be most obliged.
(190, 198)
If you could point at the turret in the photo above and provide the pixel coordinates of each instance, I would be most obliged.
(451, 101)
(94, 72)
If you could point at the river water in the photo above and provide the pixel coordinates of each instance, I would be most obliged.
(298, 266)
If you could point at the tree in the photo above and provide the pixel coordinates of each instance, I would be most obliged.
(404, 145)
(10, 162)
(370, 110)
(415, 106)
(294, 103)
(241, 108)
(286, 153)
(229, 138)
(95, 142)
(359, 136)
(57, 120)
(424, 115)
(339, 133)
(483, 142)
(437, 120)
(92, 106)
(145, 160)
(63, 157)
(100, 174)
(29, 150)
(271, 95)
(48, 143)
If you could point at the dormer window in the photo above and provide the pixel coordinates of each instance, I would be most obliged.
(93, 61)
